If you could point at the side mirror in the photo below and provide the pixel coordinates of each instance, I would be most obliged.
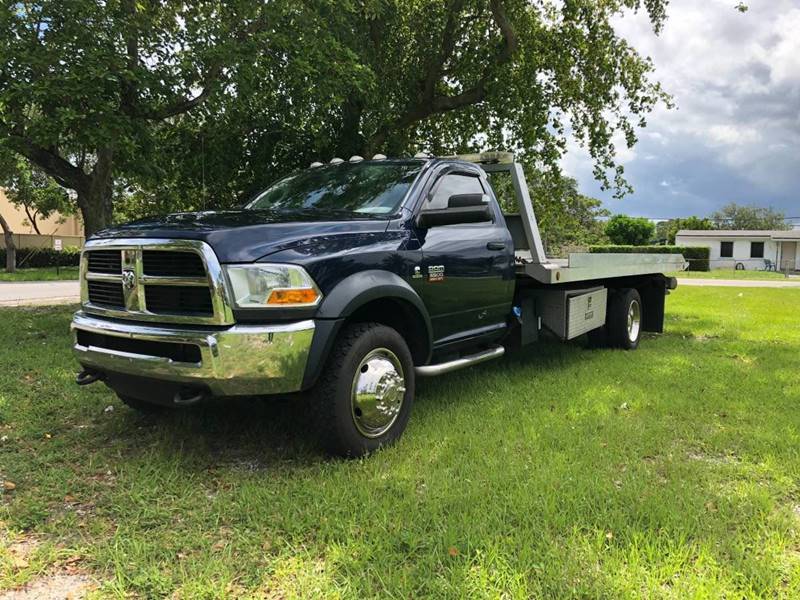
(461, 209)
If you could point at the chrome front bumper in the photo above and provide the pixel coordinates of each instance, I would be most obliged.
(238, 360)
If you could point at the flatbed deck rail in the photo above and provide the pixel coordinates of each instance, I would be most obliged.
(531, 259)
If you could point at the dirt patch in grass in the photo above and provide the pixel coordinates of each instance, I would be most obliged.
(53, 587)
(41, 571)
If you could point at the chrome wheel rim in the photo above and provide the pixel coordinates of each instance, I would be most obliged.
(378, 392)
(634, 320)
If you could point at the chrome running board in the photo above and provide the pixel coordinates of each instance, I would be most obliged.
(460, 363)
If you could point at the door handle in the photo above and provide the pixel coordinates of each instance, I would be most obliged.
(496, 246)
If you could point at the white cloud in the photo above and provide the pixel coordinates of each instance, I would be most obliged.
(784, 57)
(730, 135)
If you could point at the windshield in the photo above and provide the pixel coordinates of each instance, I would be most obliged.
(369, 189)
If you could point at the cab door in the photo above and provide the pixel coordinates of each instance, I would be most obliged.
(467, 270)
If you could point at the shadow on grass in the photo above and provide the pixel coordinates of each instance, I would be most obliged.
(255, 432)
(267, 433)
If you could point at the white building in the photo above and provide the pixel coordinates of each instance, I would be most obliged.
(752, 249)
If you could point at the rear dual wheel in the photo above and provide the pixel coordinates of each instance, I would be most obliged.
(623, 328)
(363, 398)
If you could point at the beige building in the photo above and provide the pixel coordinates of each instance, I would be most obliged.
(69, 229)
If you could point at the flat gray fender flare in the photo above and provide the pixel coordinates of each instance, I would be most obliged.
(344, 299)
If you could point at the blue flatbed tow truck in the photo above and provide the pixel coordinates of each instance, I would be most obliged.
(346, 281)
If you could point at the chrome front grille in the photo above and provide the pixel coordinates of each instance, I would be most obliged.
(106, 293)
(154, 280)
(174, 264)
(178, 299)
(105, 261)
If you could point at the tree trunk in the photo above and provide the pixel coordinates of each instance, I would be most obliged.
(32, 218)
(95, 198)
(11, 249)
(96, 209)
(351, 141)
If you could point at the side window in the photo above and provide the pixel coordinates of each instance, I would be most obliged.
(450, 185)
(756, 249)
(726, 249)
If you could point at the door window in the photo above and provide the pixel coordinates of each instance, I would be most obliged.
(450, 185)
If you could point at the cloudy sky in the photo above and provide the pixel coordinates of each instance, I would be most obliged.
(735, 135)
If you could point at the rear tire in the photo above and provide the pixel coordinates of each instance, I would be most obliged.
(364, 396)
(624, 319)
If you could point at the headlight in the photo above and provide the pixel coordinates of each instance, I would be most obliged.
(266, 285)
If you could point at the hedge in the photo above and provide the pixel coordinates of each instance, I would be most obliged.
(697, 256)
(29, 258)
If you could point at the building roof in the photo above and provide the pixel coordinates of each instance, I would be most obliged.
(777, 235)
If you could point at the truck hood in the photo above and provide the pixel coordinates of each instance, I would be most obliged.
(248, 235)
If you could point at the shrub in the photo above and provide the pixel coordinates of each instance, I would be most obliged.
(637, 231)
(29, 258)
(697, 256)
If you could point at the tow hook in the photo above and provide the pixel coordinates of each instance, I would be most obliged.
(88, 377)
(187, 396)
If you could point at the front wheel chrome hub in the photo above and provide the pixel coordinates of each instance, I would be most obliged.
(378, 392)
(634, 320)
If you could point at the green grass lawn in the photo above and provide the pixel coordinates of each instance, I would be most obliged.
(729, 274)
(670, 472)
(40, 274)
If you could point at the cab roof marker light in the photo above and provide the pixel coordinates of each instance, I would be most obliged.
(490, 157)
(314, 165)
(379, 157)
(337, 161)
(356, 158)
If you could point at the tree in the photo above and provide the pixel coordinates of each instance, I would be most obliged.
(629, 231)
(84, 83)
(11, 248)
(37, 194)
(202, 103)
(395, 76)
(668, 230)
(736, 216)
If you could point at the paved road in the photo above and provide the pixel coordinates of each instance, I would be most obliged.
(754, 283)
(38, 292)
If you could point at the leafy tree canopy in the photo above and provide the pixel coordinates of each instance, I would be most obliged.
(668, 230)
(85, 84)
(736, 216)
(623, 230)
(399, 77)
(201, 104)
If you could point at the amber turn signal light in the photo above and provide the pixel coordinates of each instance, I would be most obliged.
(293, 296)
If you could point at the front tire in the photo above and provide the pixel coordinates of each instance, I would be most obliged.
(364, 396)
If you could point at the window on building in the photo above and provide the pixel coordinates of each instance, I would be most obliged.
(726, 249)
(756, 249)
